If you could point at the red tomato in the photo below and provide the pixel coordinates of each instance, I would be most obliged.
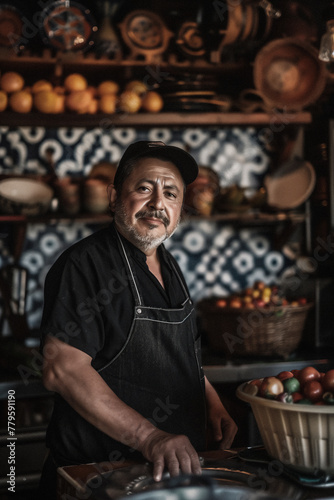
(296, 396)
(328, 381)
(256, 381)
(295, 373)
(313, 390)
(306, 374)
(284, 375)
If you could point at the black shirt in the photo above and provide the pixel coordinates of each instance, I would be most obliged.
(88, 302)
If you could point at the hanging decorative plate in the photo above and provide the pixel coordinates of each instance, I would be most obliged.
(145, 34)
(67, 25)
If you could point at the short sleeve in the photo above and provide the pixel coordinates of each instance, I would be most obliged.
(71, 310)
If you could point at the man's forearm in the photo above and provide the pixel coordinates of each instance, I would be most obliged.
(211, 395)
(73, 377)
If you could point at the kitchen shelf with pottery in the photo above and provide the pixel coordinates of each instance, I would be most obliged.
(189, 73)
(77, 100)
(34, 199)
(72, 90)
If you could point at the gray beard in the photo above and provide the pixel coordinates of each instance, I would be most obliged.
(146, 242)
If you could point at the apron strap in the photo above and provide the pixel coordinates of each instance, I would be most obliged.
(133, 284)
(178, 276)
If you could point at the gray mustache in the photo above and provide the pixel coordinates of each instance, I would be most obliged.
(155, 214)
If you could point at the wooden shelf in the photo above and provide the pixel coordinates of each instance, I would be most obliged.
(249, 217)
(176, 119)
(55, 66)
(55, 218)
(87, 61)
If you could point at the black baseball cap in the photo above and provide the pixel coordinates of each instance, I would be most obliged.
(181, 159)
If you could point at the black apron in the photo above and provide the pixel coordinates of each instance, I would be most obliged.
(158, 373)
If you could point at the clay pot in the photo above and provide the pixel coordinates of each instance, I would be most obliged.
(200, 194)
(95, 198)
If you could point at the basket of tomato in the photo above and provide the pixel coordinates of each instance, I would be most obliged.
(258, 321)
(294, 411)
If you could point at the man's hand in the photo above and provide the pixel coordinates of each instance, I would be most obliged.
(221, 426)
(172, 451)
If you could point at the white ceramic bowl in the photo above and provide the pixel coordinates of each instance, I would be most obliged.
(300, 436)
(24, 196)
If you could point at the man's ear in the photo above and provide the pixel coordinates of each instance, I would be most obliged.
(112, 195)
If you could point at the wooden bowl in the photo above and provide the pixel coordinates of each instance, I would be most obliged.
(289, 74)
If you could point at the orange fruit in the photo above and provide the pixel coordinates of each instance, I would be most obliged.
(108, 87)
(137, 86)
(129, 101)
(21, 101)
(92, 90)
(152, 102)
(60, 104)
(78, 101)
(108, 103)
(47, 101)
(92, 107)
(11, 82)
(3, 100)
(41, 85)
(75, 82)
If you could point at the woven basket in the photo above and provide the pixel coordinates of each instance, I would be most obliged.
(273, 331)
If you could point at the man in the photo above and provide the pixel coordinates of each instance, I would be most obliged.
(119, 337)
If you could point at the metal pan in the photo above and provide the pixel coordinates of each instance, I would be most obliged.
(215, 483)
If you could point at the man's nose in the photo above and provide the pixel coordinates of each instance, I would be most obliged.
(156, 201)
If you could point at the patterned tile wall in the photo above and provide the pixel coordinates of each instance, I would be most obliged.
(216, 258)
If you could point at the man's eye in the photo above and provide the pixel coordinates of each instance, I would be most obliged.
(143, 188)
(171, 195)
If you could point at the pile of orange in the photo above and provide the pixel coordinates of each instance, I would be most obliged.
(13, 93)
(75, 95)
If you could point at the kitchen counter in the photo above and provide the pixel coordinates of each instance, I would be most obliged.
(240, 372)
(113, 480)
